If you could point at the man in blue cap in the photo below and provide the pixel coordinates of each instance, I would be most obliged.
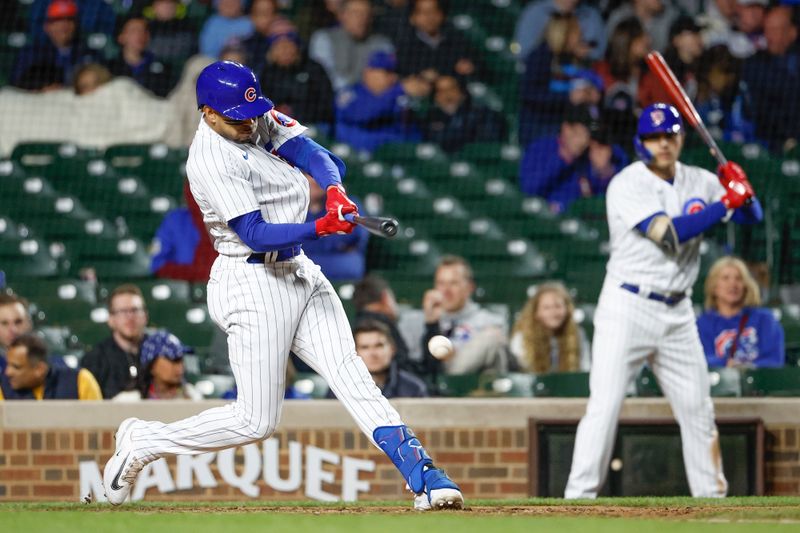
(245, 170)
(161, 359)
(376, 110)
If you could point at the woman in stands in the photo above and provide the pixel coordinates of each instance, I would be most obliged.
(734, 330)
(546, 338)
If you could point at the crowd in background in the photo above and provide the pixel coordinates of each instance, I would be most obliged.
(368, 73)
(135, 363)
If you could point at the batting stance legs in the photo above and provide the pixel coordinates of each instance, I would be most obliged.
(629, 329)
(245, 300)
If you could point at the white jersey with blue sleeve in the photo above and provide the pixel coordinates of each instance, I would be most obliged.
(635, 194)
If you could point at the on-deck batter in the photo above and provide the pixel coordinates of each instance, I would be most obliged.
(657, 211)
(245, 171)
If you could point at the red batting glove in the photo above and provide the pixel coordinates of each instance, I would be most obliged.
(330, 224)
(338, 202)
(737, 186)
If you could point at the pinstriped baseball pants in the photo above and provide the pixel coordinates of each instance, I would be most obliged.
(628, 330)
(267, 310)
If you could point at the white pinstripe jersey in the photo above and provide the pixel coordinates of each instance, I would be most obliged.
(635, 194)
(230, 179)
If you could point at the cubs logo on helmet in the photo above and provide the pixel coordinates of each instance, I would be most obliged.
(693, 205)
(250, 94)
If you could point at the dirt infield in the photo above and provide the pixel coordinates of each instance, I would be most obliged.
(695, 512)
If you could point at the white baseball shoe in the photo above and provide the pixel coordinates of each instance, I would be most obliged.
(122, 469)
(440, 492)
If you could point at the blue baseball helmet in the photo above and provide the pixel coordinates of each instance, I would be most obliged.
(656, 118)
(162, 343)
(231, 89)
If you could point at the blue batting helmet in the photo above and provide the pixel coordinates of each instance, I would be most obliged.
(656, 118)
(231, 89)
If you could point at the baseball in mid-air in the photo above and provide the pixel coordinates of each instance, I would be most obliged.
(440, 347)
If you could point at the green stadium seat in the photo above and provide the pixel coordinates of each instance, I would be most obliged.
(771, 381)
(447, 228)
(416, 256)
(190, 322)
(513, 257)
(646, 384)
(513, 385)
(725, 382)
(459, 385)
(161, 169)
(111, 258)
(311, 384)
(26, 258)
(562, 385)
(158, 291)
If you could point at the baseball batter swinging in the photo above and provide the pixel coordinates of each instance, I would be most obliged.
(657, 212)
(245, 170)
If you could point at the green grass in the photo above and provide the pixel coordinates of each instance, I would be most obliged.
(732, 515)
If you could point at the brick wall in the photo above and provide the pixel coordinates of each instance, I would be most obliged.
(488, 463)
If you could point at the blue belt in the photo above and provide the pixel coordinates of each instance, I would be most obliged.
(669, 299)
(275, 256)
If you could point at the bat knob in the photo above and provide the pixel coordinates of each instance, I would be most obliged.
(389, 227)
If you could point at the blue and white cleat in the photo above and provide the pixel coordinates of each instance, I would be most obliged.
(122, 469)
(440, 492)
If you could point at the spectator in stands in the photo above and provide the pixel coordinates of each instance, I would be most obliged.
(266, 20)
(749, 35)
(734, 330)
(89, 77)
(341, 257)
(655, 16)
(136, 60)
(344, 50)
(717, 19)
(234, 51)
(375, 346)
(41, 78)
(60, 49)
(546, 338)
(15, 320)
(621, 71)
(772, 77)
(720, 100)
(316, 15)
(374, 301)
(94, 16)
(377, 110)
(430, 47)
(29, 376)
(182, 248)
(530, 30)
(391, 17)
(455, 119)
(228, 22)
(161, 360)
(549, 68)
(572, 164)
(478, 335)
(683, 57)
(298, 85)
(115, 360)
(173, 35)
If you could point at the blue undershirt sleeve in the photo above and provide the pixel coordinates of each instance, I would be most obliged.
(749, 214)
(690, 226)
(310, 157)
(260, 236)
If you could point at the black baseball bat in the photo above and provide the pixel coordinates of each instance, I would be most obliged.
(380, 226)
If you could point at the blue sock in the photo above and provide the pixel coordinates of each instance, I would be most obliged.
(406, 452)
